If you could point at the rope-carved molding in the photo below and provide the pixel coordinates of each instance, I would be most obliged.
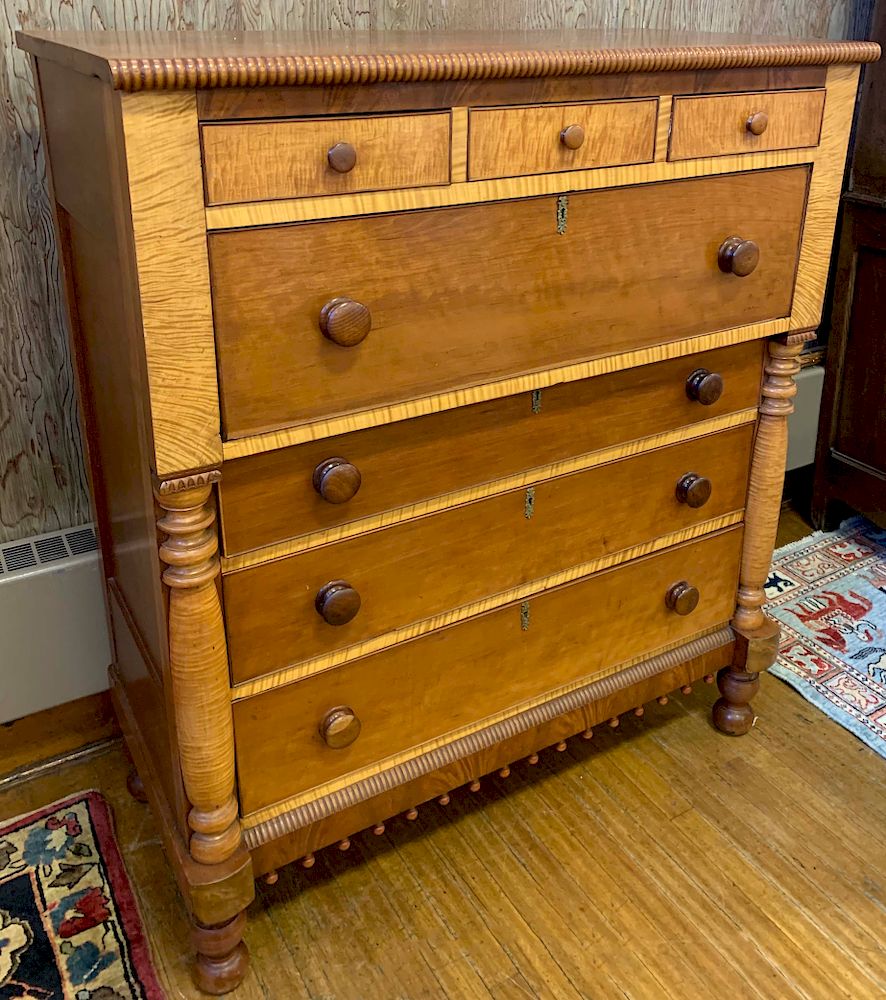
(366, 788)
(183, 73)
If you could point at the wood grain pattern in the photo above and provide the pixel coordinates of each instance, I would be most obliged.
(441, 402)
(654, 800)
(267, 213)
(217, 59)
(163, 163)
(443, 767)
(766, 480)
(458, 171)
(82, 130)
(282, 102)
(447, 679)
(199, 672)
(267, 498)
(43, 486)
(824, 191)
(508, 142)
(57, 732)
(309, 668)
(716, 126)
(403, 573)
(485, 317)
(266, 160)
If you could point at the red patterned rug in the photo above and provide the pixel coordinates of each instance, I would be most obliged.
(69, 926)
(828, 593)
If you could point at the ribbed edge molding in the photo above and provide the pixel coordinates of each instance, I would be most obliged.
(278, 71)
(400, 774)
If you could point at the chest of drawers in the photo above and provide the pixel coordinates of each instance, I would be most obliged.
(435, 392)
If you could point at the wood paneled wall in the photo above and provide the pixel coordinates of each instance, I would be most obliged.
(42, 480)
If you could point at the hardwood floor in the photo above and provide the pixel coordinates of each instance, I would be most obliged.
(659, 860)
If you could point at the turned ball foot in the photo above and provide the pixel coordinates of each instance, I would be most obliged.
(135, 787)
(732, 712)
(222, 958)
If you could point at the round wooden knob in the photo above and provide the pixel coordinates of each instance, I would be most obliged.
(342, 157)
(336, 480)
(737, 256)
(339, 727)
(572, 136)
(694, 490)
(337, 602)
(682, 598)
(704, 387)
(344, 321)
(757, 123)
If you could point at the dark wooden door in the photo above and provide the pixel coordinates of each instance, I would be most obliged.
(850, 467)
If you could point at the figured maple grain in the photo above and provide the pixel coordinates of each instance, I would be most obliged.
(635, 266)
(265, 160)
(716, 126)
(270, 497)
(507, 142)
(405, 573)
(456, 676)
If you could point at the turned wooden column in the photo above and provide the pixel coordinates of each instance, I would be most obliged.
(756, 634)
(201, 694)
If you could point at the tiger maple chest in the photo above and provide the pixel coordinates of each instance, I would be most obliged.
(435, 390)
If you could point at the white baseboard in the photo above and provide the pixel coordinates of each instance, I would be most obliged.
(53, 632)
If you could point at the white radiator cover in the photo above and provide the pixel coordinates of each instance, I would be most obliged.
(54, 643)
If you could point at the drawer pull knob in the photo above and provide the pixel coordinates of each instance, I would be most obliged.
(682, 598)
(572, 136)
(737, 256)
(694, 490)
(340, 727)
(757, 123)
(704, 387)
(336, 480)
(345, 322)
(337, 602)
(342, 157)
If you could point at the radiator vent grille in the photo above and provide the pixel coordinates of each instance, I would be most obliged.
(19, 556)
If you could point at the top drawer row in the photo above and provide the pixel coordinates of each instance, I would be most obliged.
(262, 161)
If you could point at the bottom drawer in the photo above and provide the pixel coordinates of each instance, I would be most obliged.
(420, 690)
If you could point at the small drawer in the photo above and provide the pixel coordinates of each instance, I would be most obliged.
(421, 690)
(282, 494)
(745, 123)
(331, 597)
(509, 142)
(260, 161)
(427, 302)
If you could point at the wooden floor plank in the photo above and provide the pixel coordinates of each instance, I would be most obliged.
(786, 855)
(575, 947)
(705, 903)
(571, 865)
(661, 855)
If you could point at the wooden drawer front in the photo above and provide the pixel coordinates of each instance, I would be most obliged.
(507, 142)
(715, 126)
(260, 161)
(449, 679)
(270, 497)
(461, 296)
(431, 565)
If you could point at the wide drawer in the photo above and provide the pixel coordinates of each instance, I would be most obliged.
(634, 266)
(272, 496)
(745, 123)
(259, 161)
(286, 611)
(447, 680)
(508, 142)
